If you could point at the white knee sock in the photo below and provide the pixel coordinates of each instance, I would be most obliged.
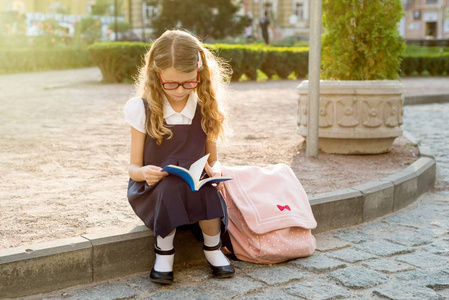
(164, 263)
(216, 257)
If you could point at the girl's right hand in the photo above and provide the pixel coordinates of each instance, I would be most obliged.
(153, 174)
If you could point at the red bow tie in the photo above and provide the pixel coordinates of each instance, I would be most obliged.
(281, 208)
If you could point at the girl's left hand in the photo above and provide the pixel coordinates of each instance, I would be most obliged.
(214, 171)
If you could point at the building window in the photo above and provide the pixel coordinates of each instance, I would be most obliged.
(416, 14)
(431, 1)
(299, 11)
(16, 5)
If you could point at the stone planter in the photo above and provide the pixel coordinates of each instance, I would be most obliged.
(356, 117)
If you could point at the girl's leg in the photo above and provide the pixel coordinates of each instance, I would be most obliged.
(164, 263)
(211, 232)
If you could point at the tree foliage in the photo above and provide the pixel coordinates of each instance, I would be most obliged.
(362, 40)
(106, 7)
(215, 19)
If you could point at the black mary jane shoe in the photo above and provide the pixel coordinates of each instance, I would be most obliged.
(221, 271)
(162, 277)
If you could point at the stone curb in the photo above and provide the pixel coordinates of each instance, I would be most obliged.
(426, 99)
(50, 266)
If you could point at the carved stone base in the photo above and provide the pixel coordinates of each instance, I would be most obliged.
(356, 117)
(355, 146)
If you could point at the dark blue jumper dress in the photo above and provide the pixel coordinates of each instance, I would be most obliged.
(170, 202)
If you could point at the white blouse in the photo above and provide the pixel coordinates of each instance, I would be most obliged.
(135, 112)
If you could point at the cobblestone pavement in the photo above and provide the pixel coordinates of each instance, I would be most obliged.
(401, 256)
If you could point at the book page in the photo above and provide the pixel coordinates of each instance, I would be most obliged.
(196, 169)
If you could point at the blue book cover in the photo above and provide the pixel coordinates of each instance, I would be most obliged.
(192, 175)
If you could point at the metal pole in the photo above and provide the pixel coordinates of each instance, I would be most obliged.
(314, 79)
(115, 20)
(144, 16)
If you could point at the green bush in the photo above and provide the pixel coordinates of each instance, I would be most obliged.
(425, 50)
(434, 64)
(362, 41)
(282, 61)
(32, 60)
(118, 62)
(242, 59)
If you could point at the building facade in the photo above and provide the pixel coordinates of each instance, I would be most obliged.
(425, 19)
(71, 7)
(66, 12)
(290, 18)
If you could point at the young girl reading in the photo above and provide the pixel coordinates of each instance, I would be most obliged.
(176, 119)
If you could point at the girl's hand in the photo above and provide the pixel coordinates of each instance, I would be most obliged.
(214, 171)
(153, 174)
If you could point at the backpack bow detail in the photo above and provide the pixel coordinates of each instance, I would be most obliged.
(281, 208)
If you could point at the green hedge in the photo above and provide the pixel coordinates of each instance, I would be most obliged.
(242, 59)
(119, 62)
(31, 60)
(434, 64)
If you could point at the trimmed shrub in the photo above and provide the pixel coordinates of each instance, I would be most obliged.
(435, 64)
(32, 60)
(118, 62)
(242, 59)
(362, 41)
(282, 61)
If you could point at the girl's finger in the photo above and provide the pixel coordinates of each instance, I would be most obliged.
(220, 186)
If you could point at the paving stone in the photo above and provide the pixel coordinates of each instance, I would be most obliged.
(434, 279)
(438, 247)
(398, 291)
(353, 236)
(444, 293)
(231, 287)
(410, 238)
(406, 220)
(358, 277)
(143, 283)
(316, 290)
(327, 242)
(277, 274)
(424, 259)
(270, 295)
(318, 263)
(243, 265)
(383, 248)
(181, 294)
(104, 292)
(194, 274)
(350, 255)
(388, 266)
(376, 229)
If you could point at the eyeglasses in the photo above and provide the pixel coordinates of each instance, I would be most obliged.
(171, 85)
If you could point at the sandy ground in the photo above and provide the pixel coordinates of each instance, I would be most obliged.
(64, 151)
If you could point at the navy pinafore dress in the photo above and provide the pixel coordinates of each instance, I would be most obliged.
(170, 202)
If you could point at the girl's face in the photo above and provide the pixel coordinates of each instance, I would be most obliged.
(170, 77)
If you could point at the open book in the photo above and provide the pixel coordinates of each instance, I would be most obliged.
(192, 176)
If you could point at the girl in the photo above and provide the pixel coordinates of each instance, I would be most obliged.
(175, 119)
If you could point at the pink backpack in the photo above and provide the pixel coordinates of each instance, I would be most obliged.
(270, 218)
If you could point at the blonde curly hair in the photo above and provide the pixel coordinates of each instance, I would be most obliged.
(181, 50)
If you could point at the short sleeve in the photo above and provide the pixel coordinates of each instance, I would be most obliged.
(135, 114)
